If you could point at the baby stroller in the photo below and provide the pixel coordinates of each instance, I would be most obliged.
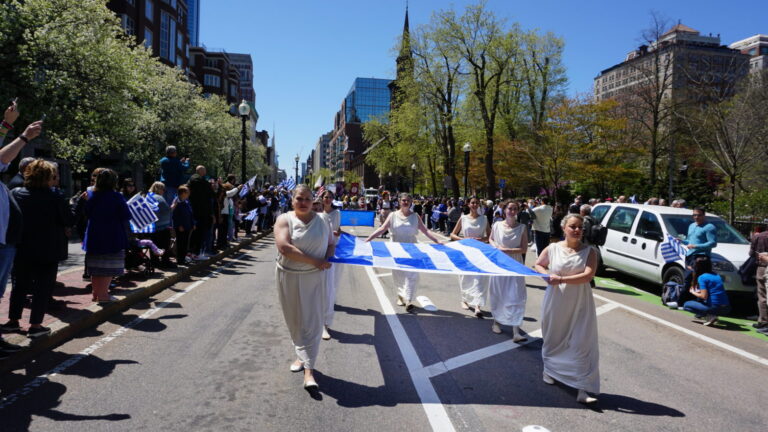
(138, 258)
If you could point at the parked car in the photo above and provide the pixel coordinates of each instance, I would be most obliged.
(635, 233)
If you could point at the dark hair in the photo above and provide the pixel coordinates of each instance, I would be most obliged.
(702, 265)
(182, 189)
(700, 209)
(38, 174)
(106, 180)
(544, 200)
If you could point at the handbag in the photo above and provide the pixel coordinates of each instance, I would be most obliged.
(748, 270)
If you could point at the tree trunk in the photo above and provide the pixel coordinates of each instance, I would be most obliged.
(732, 206)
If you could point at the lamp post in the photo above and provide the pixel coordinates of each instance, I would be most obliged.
(297, 168)
(244, 110)
(467, 148)
(413, 179)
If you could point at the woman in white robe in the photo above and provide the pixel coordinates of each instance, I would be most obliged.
(304, 243)
(334, 218)
(404, 225)
(507, 293)
(569, 320)
(473, 288)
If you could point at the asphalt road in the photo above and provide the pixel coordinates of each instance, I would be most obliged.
(213, 354)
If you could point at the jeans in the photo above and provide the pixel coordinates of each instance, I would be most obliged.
(7, 253)
(541, 239)
(700, 308)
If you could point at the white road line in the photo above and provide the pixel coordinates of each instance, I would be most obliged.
(490, 351)
(436, 414)
(715, 342)
(42, 379)
(381, 275)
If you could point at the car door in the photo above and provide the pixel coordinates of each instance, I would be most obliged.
(615, 252)
(644, 247)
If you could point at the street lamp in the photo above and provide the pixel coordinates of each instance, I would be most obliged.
(297, 168)
(244, 110)
(413, 178)
(467, 148)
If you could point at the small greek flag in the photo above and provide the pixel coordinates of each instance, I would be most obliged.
(435, 215)
(141, 212)
(289, 184)
(463, 257)
(672, 250)
(252, 183)
(633, 199)
(244, 190)
(252, 214)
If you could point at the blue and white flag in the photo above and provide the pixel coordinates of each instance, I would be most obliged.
(633, 199)
(252, 183)
(672, 249)
(149, 229)
(244, 190)
(252, 214)
(290, 184)
(152, 201)
(435, 215)
(357, 218)
(141, 212)
(464, 257)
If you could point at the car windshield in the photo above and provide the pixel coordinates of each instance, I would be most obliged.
(678, 224)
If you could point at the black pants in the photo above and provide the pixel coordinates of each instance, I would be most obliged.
(162, 239)
(200, 235)
(33, 278)
(221, 233)
(690, 261)
(541, 239)
(182, 245)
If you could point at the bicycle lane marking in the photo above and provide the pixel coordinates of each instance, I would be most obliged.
(9, 400)
(430, 401)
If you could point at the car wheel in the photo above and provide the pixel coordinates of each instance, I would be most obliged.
(673, 274)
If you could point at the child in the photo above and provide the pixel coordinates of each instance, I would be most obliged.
(183, 222)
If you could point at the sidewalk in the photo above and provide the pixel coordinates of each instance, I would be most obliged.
(75, 309)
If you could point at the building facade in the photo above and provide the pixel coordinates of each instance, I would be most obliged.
(756, 47)
(193, 21)
(214, 71)
(320, 159)
(158, 24)
(682, 55)
(244, 65)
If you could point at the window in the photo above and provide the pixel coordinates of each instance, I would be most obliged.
(211, 63)
(764, 50)
(648, 224)
(149, 10)
(622, 218)
(148, 38)
(233, 90)
(179, 40)
(172, 41)
(212, 81)
(165, 37)
(598, 213)
(129, 25)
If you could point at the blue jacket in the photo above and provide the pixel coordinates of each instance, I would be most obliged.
(704, 237)
(182, 216)
(172, 171)
(108, 217)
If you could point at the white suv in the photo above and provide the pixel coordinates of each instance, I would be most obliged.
(636, 231)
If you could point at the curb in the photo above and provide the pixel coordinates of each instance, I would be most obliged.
(61, 331)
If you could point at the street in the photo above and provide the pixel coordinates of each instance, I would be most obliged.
(212, 353)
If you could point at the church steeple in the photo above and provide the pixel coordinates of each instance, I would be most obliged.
(404, 62)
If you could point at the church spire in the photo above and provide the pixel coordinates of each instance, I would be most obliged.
(404, 64)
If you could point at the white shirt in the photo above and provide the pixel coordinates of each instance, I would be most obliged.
(543, 218)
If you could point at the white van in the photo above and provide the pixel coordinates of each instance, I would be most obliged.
(636, 231)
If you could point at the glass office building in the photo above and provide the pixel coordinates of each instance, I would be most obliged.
(368, 99)
(193, 21)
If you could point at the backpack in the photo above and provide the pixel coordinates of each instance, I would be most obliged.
(596, 233)
(671, 293)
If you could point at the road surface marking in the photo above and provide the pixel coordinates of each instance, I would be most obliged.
(430, 401)
(715, 342)
(490, 351)
(42, 379)
(381, 275)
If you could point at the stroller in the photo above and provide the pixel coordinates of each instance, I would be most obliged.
(138, 257)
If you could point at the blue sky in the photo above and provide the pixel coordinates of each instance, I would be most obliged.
(306, 53)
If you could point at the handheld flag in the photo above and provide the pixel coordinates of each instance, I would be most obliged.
(141, 212)
(252, 214)
(244, 190)
(672, 250)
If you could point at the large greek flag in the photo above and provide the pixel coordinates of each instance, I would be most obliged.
(141, 212)
(464, 257)
(357, 218)
(672, 249)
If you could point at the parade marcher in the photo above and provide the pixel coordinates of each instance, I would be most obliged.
(712, 300)
(405, 226)
(473, 288)
(507, 293)
(759, 251)
(304, 243)
(586, 212)
(384, 208)
(542, 217)
(569, 319)
(334, 219)
(18, 179)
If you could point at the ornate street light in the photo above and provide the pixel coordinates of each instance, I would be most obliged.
(467, 149)
(244, 109)
(297, 168)
(413, 178)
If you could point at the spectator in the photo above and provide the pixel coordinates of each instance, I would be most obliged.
(709, 291)
(555, 229)
(701, 239)
(10, 213)
(172, 172)
(759, 251)
(542, 218)
(129, 189)
(162, 235)
(46, 215)
(620, 199)
(575, 205)
(106, 237)
(453, 214)
(18, 179)
(183, 222)
(201, 197)
(384, 208)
